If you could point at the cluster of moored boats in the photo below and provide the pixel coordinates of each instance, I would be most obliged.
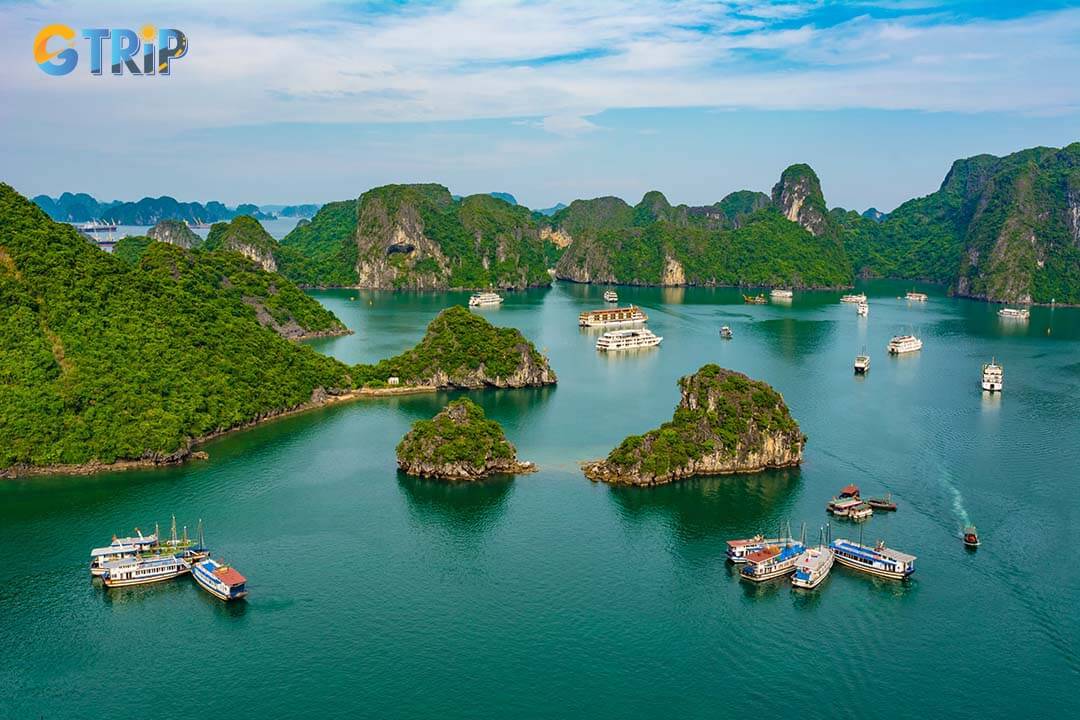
(145, 559)
(628, 337)
(769, 558)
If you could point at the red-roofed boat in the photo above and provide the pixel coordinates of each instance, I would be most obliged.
(851, 491)
(220, 580)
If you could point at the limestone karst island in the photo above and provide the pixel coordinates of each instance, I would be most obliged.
(539, 359)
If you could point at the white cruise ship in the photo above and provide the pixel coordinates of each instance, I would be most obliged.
(813, 566)
(993, 377)
(862, 309)
(627, 340)
(916, 296)
(1014, 313)
(860, 298)
(481, 299)
(904, 344)
(140, 571)
(781, 294)
(611, 296)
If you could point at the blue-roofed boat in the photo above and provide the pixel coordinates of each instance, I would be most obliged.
(142, 571)
(219, 580)
(878, 560)
(772, 561)
(814, 564)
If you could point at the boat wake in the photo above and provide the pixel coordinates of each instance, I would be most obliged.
(957, 499)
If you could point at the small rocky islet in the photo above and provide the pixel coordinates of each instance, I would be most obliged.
(725, 423)
(459, 444)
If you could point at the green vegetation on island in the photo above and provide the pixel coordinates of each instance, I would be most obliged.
(103, 359)
(459, 443)
(463, 350)
(323, 252)
(725, 422)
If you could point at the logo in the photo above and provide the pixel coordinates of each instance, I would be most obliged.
(147, 52)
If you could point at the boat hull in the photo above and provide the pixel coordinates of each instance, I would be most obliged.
(218, 593)
(768, 574)
(992, 386)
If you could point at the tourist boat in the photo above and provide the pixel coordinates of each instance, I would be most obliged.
(627, 340)
(483, 299)
(862, 309)
(771, 561)
(813, 566)
(971, 536)
(611, 296)
(849, 491)
(737, 550)
(841, 507)
(860, 511)
(993, 376)
(878, 560)
(758, 299)
(725, 332)
(1014, 313)
(611, 317)
(220, 580)
(860, 298)
(882, 503)
(916, 296)
(120, 549)
(901, 344)
(144, 570)
(781, 294)
(862, 364)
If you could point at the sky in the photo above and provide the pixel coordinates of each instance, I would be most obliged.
(551, 100)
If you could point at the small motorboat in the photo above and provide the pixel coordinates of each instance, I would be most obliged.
(758, 299)
(971, 536)
(882, 503)
(725, 332)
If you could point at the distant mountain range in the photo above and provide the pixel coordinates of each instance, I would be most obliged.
(80, 207)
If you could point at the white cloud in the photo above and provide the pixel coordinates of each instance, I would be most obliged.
(558, 61)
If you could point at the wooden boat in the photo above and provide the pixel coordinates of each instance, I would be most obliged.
(916, 296)
(884, 503)
(860, 511)
(609, 317)
(758, 299)
(971, 536)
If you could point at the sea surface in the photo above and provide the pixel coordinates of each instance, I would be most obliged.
(378, 595)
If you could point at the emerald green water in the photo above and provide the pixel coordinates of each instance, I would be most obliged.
(377, 595)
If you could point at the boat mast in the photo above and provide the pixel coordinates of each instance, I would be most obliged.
(173, 533)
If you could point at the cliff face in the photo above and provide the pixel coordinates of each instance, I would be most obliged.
(246, 236)
(798, 196)
(174, 232)
(1004, 229)
(459, 443)
(724, 423)
(419, 237)
(741, 240)
(463, 350)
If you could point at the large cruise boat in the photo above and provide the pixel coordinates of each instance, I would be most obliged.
(141, 571)
(611, 296)
(916, 296)
(862, 364)
(481, 299)
(904, 344)
(781, 294)
(220, 580)
(993, 376)
(771, 561)
(1008, 313)
(859, 298)
(612, 316)
(878, 560)
(627, 340)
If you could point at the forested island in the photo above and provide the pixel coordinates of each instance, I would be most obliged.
(724, 423)
(459, 443)
(134, 357)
